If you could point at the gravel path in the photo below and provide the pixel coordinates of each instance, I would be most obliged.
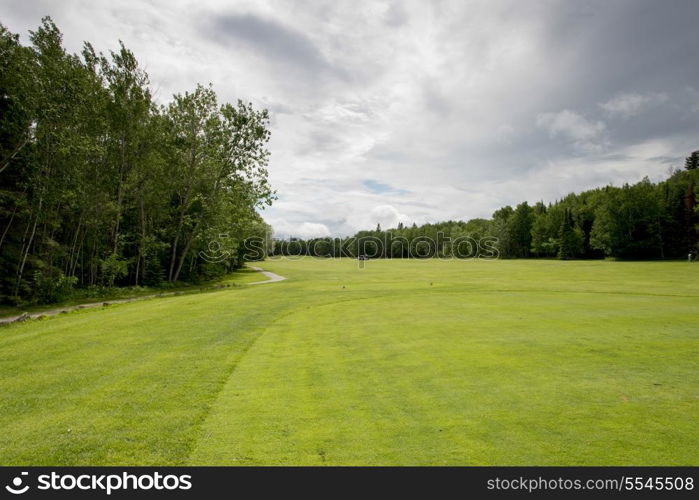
(59, 310)
(272, 276)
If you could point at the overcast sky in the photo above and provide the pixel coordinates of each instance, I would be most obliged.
(422, 111)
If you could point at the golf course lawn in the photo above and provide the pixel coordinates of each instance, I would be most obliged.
(403, 362)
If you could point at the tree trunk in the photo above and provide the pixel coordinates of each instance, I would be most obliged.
(185, 202)
(180, 224)
(26, 253)
(9, 223)
(183, 256)
(69, 263)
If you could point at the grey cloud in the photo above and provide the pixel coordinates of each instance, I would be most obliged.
(612, 47)
(668, 160)
(435, 99)
(395, 15)
(283, 44)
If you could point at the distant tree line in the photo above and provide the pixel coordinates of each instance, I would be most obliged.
(100, 186)
(641, 221)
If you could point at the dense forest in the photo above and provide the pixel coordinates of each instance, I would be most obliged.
(639, 221)
(100, 186)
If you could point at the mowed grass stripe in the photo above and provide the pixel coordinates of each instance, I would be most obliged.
(450, 382)
(401, 362)
(129, 384)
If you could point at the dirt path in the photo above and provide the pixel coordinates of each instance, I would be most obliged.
(272, 276)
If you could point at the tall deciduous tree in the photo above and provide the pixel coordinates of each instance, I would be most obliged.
(101, 187)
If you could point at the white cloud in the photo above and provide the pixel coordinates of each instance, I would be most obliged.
(283, 228)
(586, 135)
(631, 104)
(387, 216)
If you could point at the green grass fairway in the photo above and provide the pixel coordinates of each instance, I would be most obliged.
(403, 362)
